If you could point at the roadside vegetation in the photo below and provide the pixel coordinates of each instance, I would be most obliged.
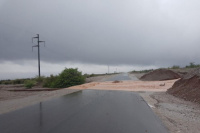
(68, 77)
(191, 65)
(13, 82)
(29, 83)
(142, 71)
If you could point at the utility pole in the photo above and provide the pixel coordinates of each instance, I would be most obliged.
(108, 69)
(38, 38)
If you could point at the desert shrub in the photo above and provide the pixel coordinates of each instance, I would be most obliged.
(40, 80)
(6, 82)
(192, 65)
(15, 81)
(86, 75)
(175, 67)
(142, 71)
(50, 81)
(29, 83)
(69, 77)
(18, 81)
(92, 75)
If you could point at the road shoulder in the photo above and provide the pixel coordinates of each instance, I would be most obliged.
(178, 116)
(15, 104)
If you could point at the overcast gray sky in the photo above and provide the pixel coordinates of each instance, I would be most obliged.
(128, 34)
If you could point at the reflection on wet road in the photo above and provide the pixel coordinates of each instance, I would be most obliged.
(122, 76)
(87, 111)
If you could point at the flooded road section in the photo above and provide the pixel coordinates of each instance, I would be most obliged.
(87, 111)
(121, 77)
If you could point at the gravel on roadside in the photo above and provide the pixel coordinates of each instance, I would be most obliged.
(178, 116)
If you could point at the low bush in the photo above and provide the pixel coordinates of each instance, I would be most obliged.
(18, 81)
(69, 77)
(40, 80)
(192, 65)
(29, 83)
(175, 67)
(142, 71)
(6, 82)
(15, 81)
(50, 81)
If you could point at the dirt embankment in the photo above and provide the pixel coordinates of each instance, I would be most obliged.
(159, 75)
(188, 87)
(183, 71)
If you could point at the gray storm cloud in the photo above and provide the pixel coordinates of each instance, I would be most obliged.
(132, 32)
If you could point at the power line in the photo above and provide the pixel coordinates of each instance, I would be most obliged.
(38, 45)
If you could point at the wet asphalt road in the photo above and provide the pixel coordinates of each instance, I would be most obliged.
(122, 77)
(87, 111)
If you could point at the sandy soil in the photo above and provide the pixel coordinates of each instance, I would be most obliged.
(128, 85)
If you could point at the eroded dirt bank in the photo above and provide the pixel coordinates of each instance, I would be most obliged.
(188, 87)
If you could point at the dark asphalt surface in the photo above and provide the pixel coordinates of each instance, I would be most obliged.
(88, 111)
(122, 77)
